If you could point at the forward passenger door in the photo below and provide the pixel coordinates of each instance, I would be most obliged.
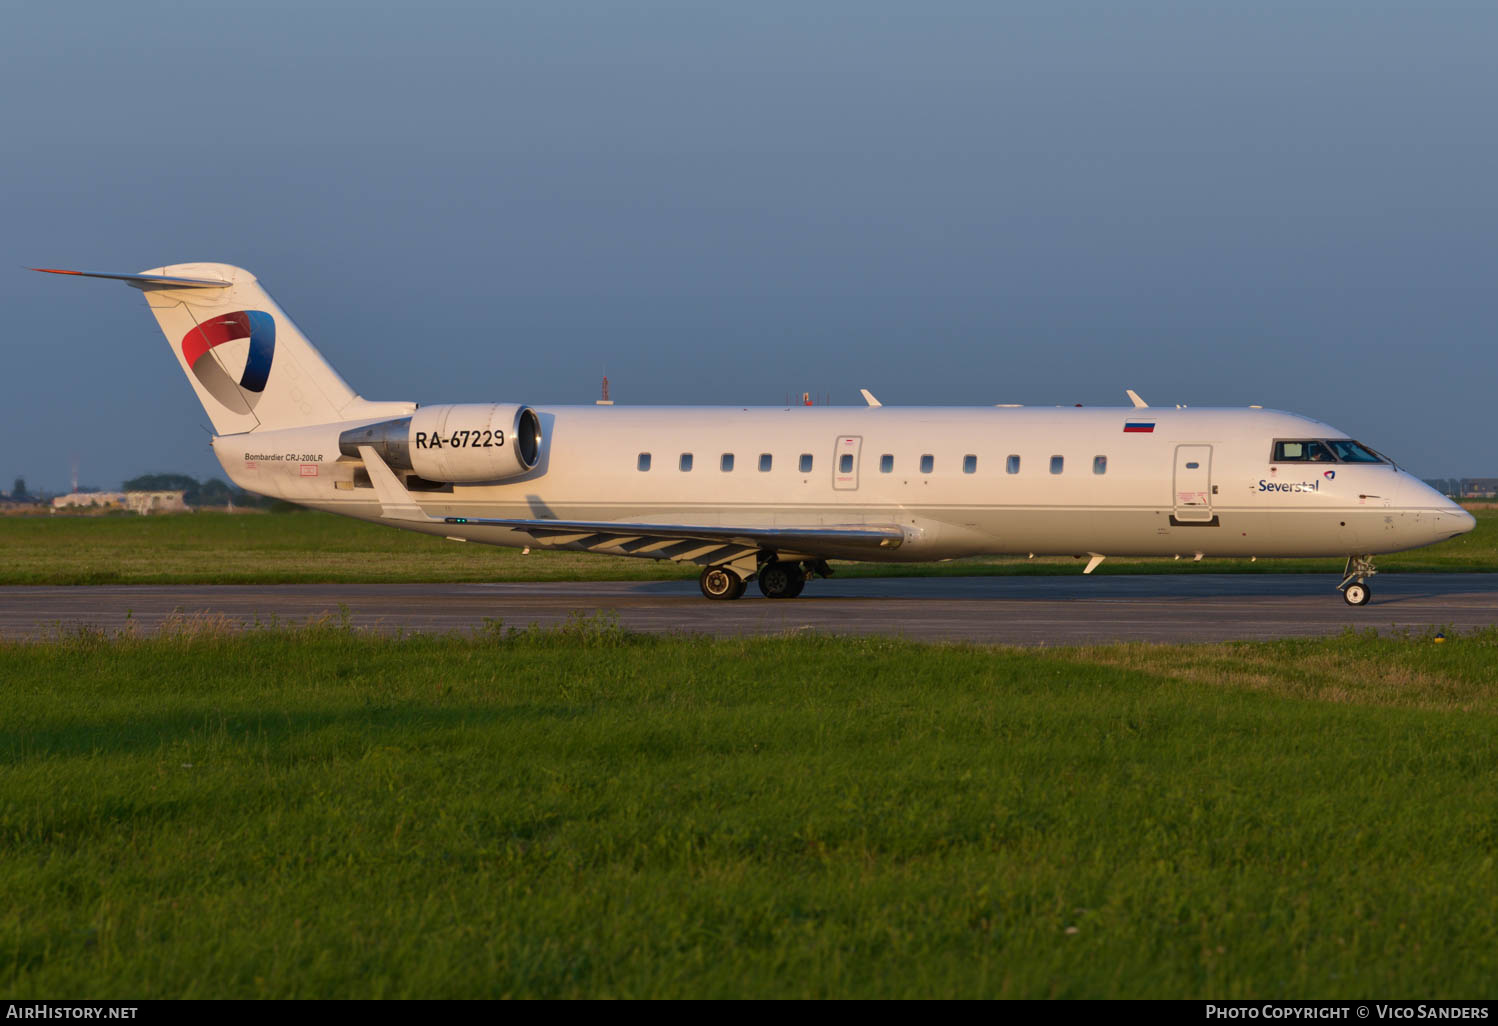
(1193, 483)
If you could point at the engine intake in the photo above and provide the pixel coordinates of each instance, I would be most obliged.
(461, 444)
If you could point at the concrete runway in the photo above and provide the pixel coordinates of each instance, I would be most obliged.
(1008, 610)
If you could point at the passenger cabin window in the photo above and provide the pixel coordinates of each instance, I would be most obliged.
(1349, 451)
(805, 463)
(765, 460)
(686, 461)
(643, 463)
(1056, 464)
(1302, 452)
(845, 463)
(969, 464)
(725, 464)
(1011, 465)
(886, 463)
(1100, 464)
(927, 462)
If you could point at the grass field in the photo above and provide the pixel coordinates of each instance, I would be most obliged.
(203, 548)
(584, 812)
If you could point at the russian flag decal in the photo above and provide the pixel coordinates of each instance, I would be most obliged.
(1142, 426)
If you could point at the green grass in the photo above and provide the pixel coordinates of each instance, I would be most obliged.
(219, 548)
(589, 813)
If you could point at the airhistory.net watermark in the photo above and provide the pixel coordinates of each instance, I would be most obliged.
(23, 1010)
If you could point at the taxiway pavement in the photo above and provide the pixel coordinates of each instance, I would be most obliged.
(1008, 610)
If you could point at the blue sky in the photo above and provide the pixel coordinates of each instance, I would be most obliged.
(1036, 201)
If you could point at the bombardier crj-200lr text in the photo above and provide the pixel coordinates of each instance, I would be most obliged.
(772, 494)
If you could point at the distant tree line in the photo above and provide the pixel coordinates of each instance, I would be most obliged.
(212, 492)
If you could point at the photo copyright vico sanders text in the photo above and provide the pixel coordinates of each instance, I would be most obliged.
(1370, 1010)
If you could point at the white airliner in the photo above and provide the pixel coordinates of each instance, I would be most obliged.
(771, 494)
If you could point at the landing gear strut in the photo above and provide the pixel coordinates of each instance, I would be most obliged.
(719, 582)
(1354, 586)
(779, 580)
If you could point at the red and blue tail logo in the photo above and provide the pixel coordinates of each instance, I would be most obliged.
(197, 345)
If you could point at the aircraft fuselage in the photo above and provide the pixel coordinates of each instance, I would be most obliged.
(958, 481)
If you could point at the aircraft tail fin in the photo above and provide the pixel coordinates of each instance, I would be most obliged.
(249, 364)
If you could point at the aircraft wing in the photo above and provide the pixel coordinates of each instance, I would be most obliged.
(677, 541)
(799, 539)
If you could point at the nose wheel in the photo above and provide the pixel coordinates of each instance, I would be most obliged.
(1354, 586)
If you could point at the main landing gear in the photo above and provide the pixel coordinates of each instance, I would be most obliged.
(1354, 586)
(778, 579)
(719, 582)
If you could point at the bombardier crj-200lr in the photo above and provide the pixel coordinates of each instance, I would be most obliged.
(772, 494)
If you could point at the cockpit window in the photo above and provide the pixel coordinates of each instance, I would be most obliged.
(1331, 450)
(1302, 452)
(1349, 451)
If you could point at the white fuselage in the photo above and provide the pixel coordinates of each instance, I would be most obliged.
(1200, 482)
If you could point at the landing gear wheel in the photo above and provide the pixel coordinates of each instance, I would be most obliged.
(719, 582)
(1354, 586)
(781, 580)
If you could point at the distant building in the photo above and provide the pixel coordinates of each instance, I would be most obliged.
(1465, 487)
(156, 502)
(28, 504)
(86, 500)
(139, 502)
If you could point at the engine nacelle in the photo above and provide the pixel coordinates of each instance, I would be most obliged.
(461, 444)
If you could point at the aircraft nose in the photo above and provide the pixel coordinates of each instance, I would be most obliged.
(1437, 517)
(1453, 519)
(1463, 521)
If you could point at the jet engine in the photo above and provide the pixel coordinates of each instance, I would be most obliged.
(460, 444)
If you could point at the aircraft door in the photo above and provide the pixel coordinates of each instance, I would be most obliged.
(1193, 483)
(845, 462)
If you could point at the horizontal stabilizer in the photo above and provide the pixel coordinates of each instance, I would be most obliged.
(142, 280)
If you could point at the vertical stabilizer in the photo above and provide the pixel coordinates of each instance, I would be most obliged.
(249, 364)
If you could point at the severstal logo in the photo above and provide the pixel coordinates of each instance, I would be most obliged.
(235, 375)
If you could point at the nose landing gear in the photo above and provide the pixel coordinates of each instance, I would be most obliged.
(1354, 586)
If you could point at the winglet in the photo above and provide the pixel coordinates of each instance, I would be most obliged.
(395, 502)
(1134, 398)
(1092, 564)
(868, 397)
(142, 280)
